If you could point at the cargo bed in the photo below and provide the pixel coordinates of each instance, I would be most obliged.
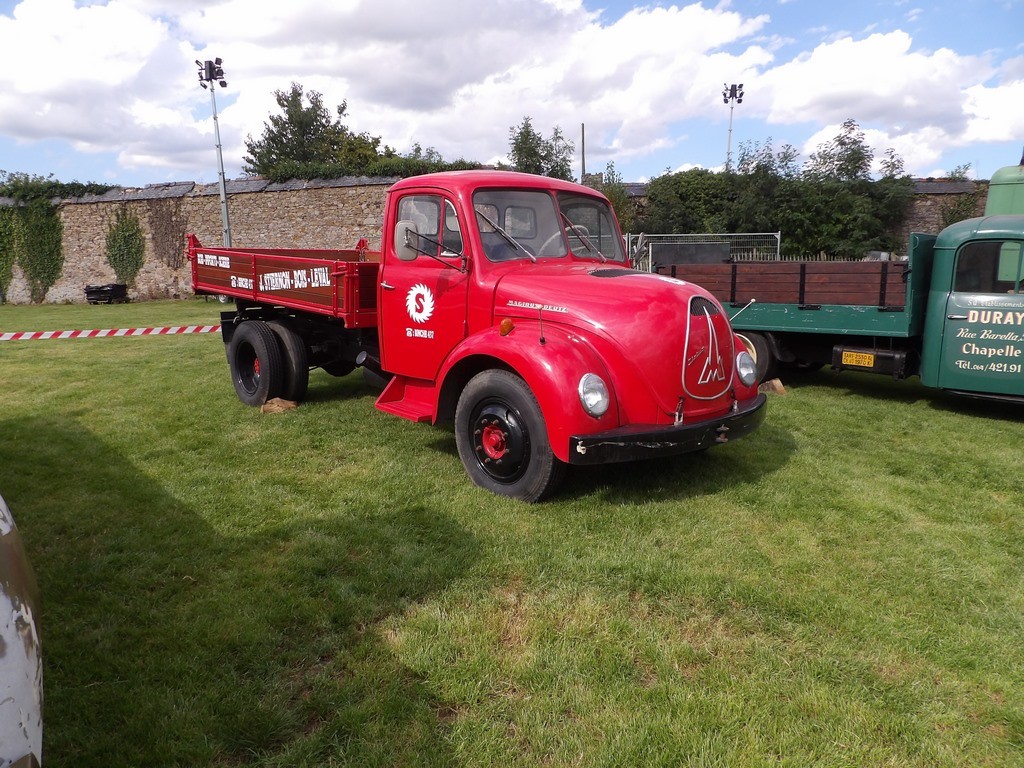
(849, 298)
(338, 283)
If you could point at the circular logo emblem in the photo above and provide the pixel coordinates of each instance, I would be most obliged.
(419, 303)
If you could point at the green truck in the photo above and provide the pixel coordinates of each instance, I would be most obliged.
(951, 313)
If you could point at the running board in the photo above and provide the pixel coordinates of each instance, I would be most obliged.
(412, 399)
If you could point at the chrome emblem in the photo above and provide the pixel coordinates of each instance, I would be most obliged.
(714, 367)
(706, 373)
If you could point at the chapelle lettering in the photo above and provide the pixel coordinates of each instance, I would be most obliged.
(1007, 351)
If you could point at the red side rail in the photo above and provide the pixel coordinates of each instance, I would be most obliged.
(341, 284)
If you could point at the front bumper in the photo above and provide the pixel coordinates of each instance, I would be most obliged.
(649, 441)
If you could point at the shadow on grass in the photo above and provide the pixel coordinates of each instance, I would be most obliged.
(670, 478)
(905, 391)
(861, 384)
(690, 475)
(359, 383)
(174, 636)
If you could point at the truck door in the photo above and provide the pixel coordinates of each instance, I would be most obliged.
(983, 335)
(422, 306)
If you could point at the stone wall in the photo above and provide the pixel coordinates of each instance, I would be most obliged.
(298, 214)
(933, 197)
(316, 214)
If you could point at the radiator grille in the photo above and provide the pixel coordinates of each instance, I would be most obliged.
(699, 306)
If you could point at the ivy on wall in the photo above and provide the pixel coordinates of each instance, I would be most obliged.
(38, 246)
(168, 225)
(126, 245)
(31, 233)
(8, 222)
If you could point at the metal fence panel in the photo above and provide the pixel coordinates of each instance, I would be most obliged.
(651, 250)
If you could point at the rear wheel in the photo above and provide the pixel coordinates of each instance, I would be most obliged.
(295, 359)
(502, 439)
(254, 358)
(759, 349)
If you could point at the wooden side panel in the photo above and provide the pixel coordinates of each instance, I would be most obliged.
(304, 280)
(853, 283)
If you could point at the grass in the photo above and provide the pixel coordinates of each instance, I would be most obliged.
(325, 587)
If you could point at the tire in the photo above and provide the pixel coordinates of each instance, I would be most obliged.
(764, 360)
(254, 357)
(502, 439)
(295, 357)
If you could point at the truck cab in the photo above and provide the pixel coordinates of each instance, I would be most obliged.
(973, 340)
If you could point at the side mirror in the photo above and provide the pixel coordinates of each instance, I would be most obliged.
(405, 235)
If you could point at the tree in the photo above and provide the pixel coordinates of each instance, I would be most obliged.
(613, 188)
(830, 207)
(845, 158)
(764, 189)
(892, 165)
(691, 201)
(306, 139)
(854, 213)
(305, 142)
(530, 152)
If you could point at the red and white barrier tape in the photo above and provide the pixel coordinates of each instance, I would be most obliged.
(95, 334)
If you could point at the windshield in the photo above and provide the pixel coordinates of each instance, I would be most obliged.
(526, 224)
(518, 224)
(590, 227)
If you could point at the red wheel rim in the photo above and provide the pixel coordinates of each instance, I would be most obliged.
(493, 442)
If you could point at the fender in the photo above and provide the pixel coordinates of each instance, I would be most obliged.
(551, 359)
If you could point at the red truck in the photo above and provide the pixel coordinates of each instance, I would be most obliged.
(505, 303)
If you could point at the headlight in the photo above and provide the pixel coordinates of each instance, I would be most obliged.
(593, 395)
(746, 368)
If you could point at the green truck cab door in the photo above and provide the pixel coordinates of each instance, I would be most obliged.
(982, 349)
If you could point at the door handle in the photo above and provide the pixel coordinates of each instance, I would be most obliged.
(387, 286)
(956, 317)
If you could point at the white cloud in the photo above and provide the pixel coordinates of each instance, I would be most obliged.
(456, 74)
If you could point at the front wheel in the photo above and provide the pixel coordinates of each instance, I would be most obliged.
(502, 439)
(254, 358)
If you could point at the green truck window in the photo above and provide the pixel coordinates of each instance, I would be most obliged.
(989, 267)
(1009, 264)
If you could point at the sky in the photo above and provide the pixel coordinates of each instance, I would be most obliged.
(108, 92)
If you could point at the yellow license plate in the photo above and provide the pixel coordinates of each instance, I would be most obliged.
(862, 359)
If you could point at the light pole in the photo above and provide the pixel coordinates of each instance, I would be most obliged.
(731, 95)
(211, 72)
